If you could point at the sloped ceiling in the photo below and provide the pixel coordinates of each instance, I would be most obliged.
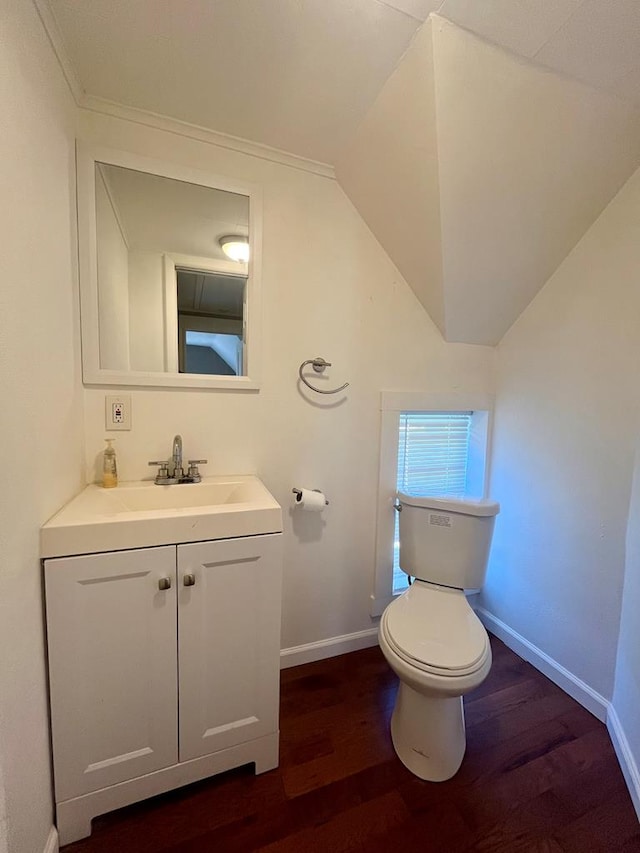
(293, 75)
(482, 188)
(300, 76)
(477, 172)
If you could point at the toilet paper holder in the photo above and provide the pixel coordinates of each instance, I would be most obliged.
(298, 494)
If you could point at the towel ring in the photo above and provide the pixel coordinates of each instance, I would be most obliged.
(319, 365)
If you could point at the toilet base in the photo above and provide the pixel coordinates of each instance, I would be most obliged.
(428, 733)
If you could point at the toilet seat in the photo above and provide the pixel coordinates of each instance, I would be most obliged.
(434, 629)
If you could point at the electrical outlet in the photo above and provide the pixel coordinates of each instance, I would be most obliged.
(117, 413)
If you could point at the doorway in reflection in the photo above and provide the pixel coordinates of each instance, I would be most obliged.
(210, 322)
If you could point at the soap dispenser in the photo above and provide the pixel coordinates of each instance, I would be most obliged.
(109, 467)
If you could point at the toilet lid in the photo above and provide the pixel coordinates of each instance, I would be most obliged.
(435, 627)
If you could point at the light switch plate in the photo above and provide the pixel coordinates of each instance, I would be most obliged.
(117, 411)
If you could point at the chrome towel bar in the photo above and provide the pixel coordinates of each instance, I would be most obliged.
(319, 364)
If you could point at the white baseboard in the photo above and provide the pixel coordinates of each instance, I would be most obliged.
(52, 845)
(567, 681)
(627, 762)
(328, 648)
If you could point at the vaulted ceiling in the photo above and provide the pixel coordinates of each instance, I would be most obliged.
(299, 75)
(477, 162)
(482, 188)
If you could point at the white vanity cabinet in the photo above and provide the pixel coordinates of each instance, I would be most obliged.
(164, 669)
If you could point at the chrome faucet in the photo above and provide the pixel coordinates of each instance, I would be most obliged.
(177, 471)
(171, 471)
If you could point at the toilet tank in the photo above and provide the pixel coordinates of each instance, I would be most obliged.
(445, 540)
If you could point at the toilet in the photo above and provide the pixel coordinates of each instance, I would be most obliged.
(430, 636)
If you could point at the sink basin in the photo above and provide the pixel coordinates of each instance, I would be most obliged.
(141, 515)
(142, 497)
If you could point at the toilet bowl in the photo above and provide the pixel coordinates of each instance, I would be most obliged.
(439, 650)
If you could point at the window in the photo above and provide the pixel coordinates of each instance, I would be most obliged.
(430, 444)
(433, 455)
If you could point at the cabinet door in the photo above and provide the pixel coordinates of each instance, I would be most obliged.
(229, 642)
(112, 662)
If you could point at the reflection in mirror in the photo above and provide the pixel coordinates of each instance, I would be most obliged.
(154, 313)
(210, 311)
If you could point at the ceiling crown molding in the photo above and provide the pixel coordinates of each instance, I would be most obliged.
(205, 134)
(162, 122)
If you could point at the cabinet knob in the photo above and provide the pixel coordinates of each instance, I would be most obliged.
(164, 583)
(189, 580)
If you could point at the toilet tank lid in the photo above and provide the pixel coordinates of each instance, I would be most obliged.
(462, 505)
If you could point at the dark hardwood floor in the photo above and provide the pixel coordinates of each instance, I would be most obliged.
(539, 775)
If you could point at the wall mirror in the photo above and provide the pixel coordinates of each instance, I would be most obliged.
(169, 274)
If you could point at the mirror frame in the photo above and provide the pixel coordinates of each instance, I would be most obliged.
(92, 373)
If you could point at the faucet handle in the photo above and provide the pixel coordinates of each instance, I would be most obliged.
(193, 469)
(163, 469)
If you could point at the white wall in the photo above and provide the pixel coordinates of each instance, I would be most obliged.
(41, 416)
(565, 433)
(113, 282)
(146, 310)
(330, 290)
(626, 694)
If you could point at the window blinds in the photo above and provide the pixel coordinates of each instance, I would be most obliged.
(433, 448)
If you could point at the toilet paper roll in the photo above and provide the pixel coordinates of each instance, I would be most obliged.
(310, 501)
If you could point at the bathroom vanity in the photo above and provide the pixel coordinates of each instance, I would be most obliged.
(163, 655)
